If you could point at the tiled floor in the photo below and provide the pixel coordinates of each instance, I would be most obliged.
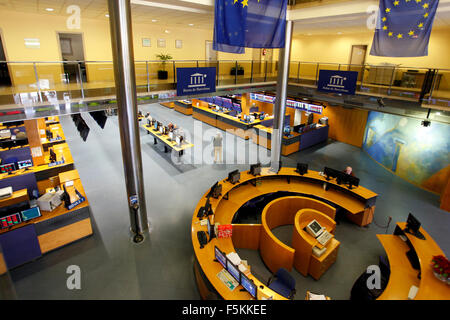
(161, 268)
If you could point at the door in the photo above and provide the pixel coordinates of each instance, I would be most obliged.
(211, 54)
(5, 79)
(358, 59)
(72, 49)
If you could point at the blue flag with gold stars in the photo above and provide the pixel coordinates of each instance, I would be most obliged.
(249, 23)
(404, 28)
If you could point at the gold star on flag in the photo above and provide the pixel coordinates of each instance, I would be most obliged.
(411, 33)
(400, 36)
(388, 10)
(244, 3)
(418, 1)
(385, 28)
(408, 0)
(396, 3)
(384, 19)
(426, 15)
(390, 34)
(235, 1)
(426, 5)
(420, 25)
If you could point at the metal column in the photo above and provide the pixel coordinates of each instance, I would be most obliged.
(279, 108)
(125, 78)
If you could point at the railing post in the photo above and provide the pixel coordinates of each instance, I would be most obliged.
(265, 73)
(38, 85)
(251, 74)
(317, 74)
(392, 81)
(339, 67)
(298, 73)
(363, 69)
(197, 63)
(217, 73)
(81, 79)
(174, 74)
(235, 72)
(148, 76)
(432, 87)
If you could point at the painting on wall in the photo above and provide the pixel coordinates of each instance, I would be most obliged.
(416, 153)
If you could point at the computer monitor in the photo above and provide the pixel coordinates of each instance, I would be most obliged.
(216, 190)
(287, 130)
(9, 221)
(255, 169)
(352, 181)
(210, 228)
(220, 257)
(171, 135)
(178, 140)
(31, 213)
(155, 125)
(233, 270)
(314, 228)
(161, 129)
(331, 173)
(413, 227)
(24, 164)
(234, 176)
(302, 168)
(8, 168)
(248, 285)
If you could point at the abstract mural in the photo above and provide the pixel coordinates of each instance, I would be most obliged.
(416, 153)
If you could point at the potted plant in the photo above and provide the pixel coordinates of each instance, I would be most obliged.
(441, 268)
(163, 74)
(240, 70)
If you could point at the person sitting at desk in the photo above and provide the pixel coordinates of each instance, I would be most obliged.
(149, 118)
(349, 171)
(19, 134)
(52, 156)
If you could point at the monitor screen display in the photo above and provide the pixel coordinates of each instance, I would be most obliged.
(315, 226)
(25, 164)
(412, 223)
(248, 285)
(31, 213)
(210, 228)
(233, 270)
(9, 167)
(11, 220)
(287, 130)
(220, 256)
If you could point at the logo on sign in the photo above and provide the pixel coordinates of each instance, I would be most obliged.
(337, 81)
(197, 80)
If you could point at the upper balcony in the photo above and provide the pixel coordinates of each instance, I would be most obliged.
(89, 84)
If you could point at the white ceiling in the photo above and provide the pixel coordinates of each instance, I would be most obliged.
(97, 9)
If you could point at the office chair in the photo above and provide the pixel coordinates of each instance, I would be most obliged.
(282, 283)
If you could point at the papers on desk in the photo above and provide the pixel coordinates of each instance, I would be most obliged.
(234, 257)
(313, 296)
(204, 222)
(69, 183)
(227, 279)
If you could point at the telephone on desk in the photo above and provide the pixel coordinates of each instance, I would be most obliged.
(202, 238)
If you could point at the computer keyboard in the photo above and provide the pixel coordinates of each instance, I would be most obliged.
(324, 238)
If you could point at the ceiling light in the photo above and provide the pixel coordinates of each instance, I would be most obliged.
(339, 32)
(154, 20)
(167, 6)
(191, 24)
(107, 15)
(438, 113)
(50, 9)
(167, 31)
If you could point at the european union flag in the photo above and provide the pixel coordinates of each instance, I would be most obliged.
(404, 28)
(249, 23)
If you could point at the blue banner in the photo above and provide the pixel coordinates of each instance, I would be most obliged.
(404, 28)
(337, 81)
(249, 23)
(195, 81)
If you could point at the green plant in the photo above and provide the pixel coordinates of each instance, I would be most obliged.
(164, 58)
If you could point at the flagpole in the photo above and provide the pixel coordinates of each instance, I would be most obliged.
(279, 108)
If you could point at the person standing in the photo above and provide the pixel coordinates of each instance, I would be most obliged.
(217, 143)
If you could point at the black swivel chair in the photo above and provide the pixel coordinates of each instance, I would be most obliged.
(282, 283)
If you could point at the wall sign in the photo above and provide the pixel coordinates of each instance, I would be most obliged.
(195, 80)
(289, 103)
(337, 81)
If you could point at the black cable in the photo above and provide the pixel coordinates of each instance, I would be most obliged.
(383, 227)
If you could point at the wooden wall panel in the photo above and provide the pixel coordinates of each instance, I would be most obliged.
(445, 198)
(346, 125)
(32, 128)
(246, 236)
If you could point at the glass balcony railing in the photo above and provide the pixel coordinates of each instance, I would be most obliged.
(33, 82)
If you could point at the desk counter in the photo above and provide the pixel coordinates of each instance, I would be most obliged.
(183, 107)
(167, 142)
(355, 202)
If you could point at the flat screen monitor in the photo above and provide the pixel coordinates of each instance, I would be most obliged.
(287, 130)
(302, 168)
(413, 226)
(255, 169)
(314, 228)
(171, 135)
(234, 176)
(261, 116)
(216, 190)
(155, 125)
(248, 285)
(31, 213)
(220, 256)
(178, 140)
(7, 168)
(237, 107)
(210, 228)
(9, 221)
(227, 103)
(233, 270)
(24, 164)
(331, 173)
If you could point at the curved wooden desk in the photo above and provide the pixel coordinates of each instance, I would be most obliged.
(356, 201)
(403, 275)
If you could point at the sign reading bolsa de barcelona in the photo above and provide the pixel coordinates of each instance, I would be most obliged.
(191, 81)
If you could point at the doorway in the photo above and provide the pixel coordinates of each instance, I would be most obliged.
(358, 59)
(72, 50)
(5, 79)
